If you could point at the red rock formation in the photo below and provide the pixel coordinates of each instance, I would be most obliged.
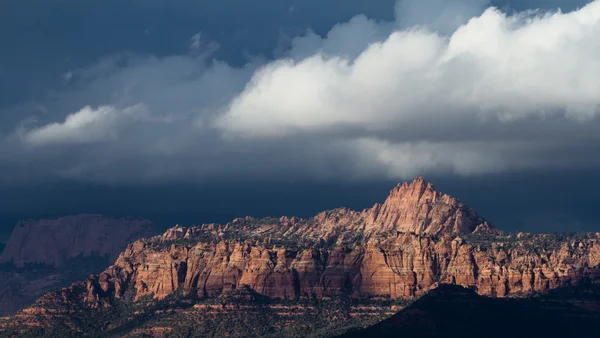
(415, 240)
(403, 265)
(395, 257)
(420, 209)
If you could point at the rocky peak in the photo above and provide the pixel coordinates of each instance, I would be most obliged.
(419, 191)
(417, 207)
(414, 207)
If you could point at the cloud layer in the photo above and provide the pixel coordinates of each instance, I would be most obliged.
(498, 67)
(449, 87)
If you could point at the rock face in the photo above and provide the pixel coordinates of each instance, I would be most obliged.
(417, 239)
(54, 241)
(420, 209)
(406, 246)
(403, 265)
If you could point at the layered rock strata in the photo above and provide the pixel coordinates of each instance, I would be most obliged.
(402, 265)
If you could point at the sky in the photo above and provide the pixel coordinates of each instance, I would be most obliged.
(196, 111)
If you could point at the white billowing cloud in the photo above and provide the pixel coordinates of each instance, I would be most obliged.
(540, 65)
(456, 88)
(409, 99)
(130, 119)
(88, 125)
(494, 66)
(321, 91)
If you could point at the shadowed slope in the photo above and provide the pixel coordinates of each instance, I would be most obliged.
(454, 311)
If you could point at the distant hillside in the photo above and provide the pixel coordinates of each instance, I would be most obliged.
(44, 255)
(56, 240)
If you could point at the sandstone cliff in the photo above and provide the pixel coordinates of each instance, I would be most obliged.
(399, 265)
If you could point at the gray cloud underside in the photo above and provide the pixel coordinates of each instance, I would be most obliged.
(460, 88)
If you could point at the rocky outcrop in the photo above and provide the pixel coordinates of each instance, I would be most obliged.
(420, 209)
(54, 241)
(400, 266)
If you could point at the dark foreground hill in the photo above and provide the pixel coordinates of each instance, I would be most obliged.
(455, 311)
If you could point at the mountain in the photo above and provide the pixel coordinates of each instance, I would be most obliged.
(55, 241)
(455, 311)
(322, 276)
(43, 255)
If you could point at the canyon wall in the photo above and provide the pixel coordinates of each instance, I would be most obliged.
(403, 265)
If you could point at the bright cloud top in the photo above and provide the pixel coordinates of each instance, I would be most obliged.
(450, 87)
(88, 125)
(495, 66)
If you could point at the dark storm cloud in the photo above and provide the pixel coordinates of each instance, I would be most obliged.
(43, 40)
(155, 91)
